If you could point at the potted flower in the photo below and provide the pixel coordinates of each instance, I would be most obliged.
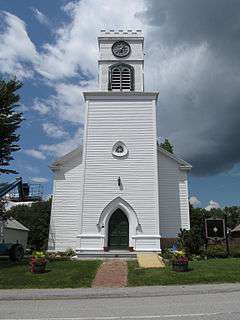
(38, 262)
(179, 261)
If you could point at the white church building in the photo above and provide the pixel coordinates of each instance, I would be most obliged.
(120, 190)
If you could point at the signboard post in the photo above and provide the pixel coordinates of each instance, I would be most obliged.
(216, 230)
(226, 233)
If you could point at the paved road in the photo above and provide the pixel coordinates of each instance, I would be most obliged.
(194, 302)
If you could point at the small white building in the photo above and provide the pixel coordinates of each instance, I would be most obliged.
(119, 190)
(15, 232)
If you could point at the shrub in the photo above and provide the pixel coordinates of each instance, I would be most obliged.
(235, 252)
(61, 255)
(216, 251)
(196, 257)
(167, 254)
(70, 252)
(190, 241)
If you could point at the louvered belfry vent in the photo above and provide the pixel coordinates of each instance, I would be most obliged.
(121, 77)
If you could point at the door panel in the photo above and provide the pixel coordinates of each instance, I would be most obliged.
(118, 231)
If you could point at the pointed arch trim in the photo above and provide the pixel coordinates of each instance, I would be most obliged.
(119, 203)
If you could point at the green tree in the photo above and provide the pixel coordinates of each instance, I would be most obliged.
(233, 216)
(36, 218)
(10, 121)
(167, 146)
(4, 215)
(192, 240)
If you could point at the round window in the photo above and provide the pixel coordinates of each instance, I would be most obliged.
(119, 149)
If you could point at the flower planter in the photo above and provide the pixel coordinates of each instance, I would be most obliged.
(38, 266)
(180, 267)
(180, 262)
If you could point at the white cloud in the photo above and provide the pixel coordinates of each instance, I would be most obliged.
(41, 106)
(75, 49)
(35, 153)
(194, 201)
(59, 149)
(42, 18)
(39, 180)
(53, 131)
(16, 48)
(212, 205)
(67, 103)
(29, 168)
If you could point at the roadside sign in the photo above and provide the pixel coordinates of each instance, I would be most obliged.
(215, 229)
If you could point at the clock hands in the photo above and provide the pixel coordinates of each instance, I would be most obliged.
(121, 49)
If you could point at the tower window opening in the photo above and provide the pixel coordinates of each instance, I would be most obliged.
(121, 77)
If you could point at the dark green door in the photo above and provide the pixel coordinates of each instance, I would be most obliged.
(118, 231)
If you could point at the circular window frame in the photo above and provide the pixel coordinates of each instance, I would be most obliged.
(121, 55)
(119, 154)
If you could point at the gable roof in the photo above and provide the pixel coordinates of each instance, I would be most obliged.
(14, 224)
(64, 159)
(183, 164)
(236, 229)
(78, 152)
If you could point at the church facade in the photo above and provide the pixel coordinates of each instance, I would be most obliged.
(120, 189)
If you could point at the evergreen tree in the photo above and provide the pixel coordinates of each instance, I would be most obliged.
(10, 121)
(167, 146)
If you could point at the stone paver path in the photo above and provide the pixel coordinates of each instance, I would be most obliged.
(111, 274)
(150, 260)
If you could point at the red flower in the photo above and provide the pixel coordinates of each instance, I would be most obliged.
(182, 260)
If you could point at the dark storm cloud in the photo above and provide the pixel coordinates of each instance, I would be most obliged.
(196, 47)
(196, 21)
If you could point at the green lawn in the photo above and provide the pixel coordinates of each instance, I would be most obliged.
(71, 274)
(204, 271)
(60, 274)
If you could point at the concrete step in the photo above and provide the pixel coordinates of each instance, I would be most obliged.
(105, 255)
(150, 260)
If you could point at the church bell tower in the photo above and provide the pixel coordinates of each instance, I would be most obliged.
(121, 60)
(120, 199)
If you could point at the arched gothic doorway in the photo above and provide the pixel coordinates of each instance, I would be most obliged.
(118, 231)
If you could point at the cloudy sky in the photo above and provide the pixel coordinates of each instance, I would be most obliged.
(192, 54)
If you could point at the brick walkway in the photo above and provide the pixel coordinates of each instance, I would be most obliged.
(111, 274)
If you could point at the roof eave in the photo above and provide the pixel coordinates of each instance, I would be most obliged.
(183, 164)
(93, 95)
(59, 162)
(185, 168)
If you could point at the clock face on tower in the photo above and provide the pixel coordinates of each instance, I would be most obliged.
(121, 49)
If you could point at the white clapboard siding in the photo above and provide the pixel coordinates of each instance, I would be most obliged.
(184, 202)
(66, 206)
(131, 121)
(173, 197)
